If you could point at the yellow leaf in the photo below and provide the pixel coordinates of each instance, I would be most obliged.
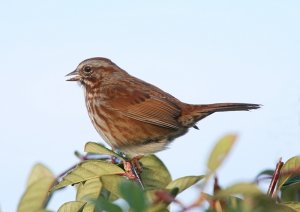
(74, 206)
(88, 170)
(184, 182)
(220, 152)
(90, 189)
(36, 194)
(93, 147)
(245, 189)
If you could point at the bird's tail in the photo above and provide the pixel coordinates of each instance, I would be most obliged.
(221, 107)
(194, 113)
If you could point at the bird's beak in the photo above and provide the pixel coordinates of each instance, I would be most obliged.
(75, 76)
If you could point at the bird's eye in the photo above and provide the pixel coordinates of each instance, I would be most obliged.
(87, 69)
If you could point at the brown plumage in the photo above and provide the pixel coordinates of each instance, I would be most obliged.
(134, 116)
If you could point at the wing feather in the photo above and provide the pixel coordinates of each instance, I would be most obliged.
(141, 106)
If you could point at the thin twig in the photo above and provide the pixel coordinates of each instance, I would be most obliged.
(202, 198)
(166, 197)
(138, 177)
(275, 178)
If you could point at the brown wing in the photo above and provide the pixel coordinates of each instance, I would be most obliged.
(141, 106)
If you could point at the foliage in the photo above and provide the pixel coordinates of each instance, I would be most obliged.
(101, 182)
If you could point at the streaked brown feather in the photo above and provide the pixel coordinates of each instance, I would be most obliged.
(145, 108)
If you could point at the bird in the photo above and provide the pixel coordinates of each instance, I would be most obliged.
(134, 116)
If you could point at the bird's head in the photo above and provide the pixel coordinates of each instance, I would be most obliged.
(93, 70)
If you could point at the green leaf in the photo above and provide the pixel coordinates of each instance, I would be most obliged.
(290, 193)
(133, 195)
(233, 204)
(90, 189)
(267, 172)
(93, 147)
(263, 203)
(104, 205)
(220, 152)
(36, 195)
(292, 180)
(110, 197)
(290, 165)
(155, 174)
(111, 183)
(74, 206)
(88, 170)
(184, 182)
(245, 189)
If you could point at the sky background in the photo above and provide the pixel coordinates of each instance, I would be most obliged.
(198, 51)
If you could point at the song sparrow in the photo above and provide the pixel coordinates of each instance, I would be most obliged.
(134, 116)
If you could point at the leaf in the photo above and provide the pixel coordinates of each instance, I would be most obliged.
(36, 195)
(292, 180)
(74, 206)
(93, 147)
(292, 205)
(154, 174)
(262, 203)
(161, 207)
(290, 165)
(220, 151)
(90, 189)
(88, 208)
(233, 204)
(184, 182)
(43, 210)
(290, 193)
(111, 183)
(245, 189)
(37, 172)
(133, 195)
(104, 205)
(264, 173)
(87, 191)
(88, 170)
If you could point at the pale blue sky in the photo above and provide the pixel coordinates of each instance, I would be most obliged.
(199, 51)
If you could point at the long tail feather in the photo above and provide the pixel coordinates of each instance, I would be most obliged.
(194, 113)
(221, 107)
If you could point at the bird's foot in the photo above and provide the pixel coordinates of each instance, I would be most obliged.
(136, 164)
(133, 168)
(129, 173)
